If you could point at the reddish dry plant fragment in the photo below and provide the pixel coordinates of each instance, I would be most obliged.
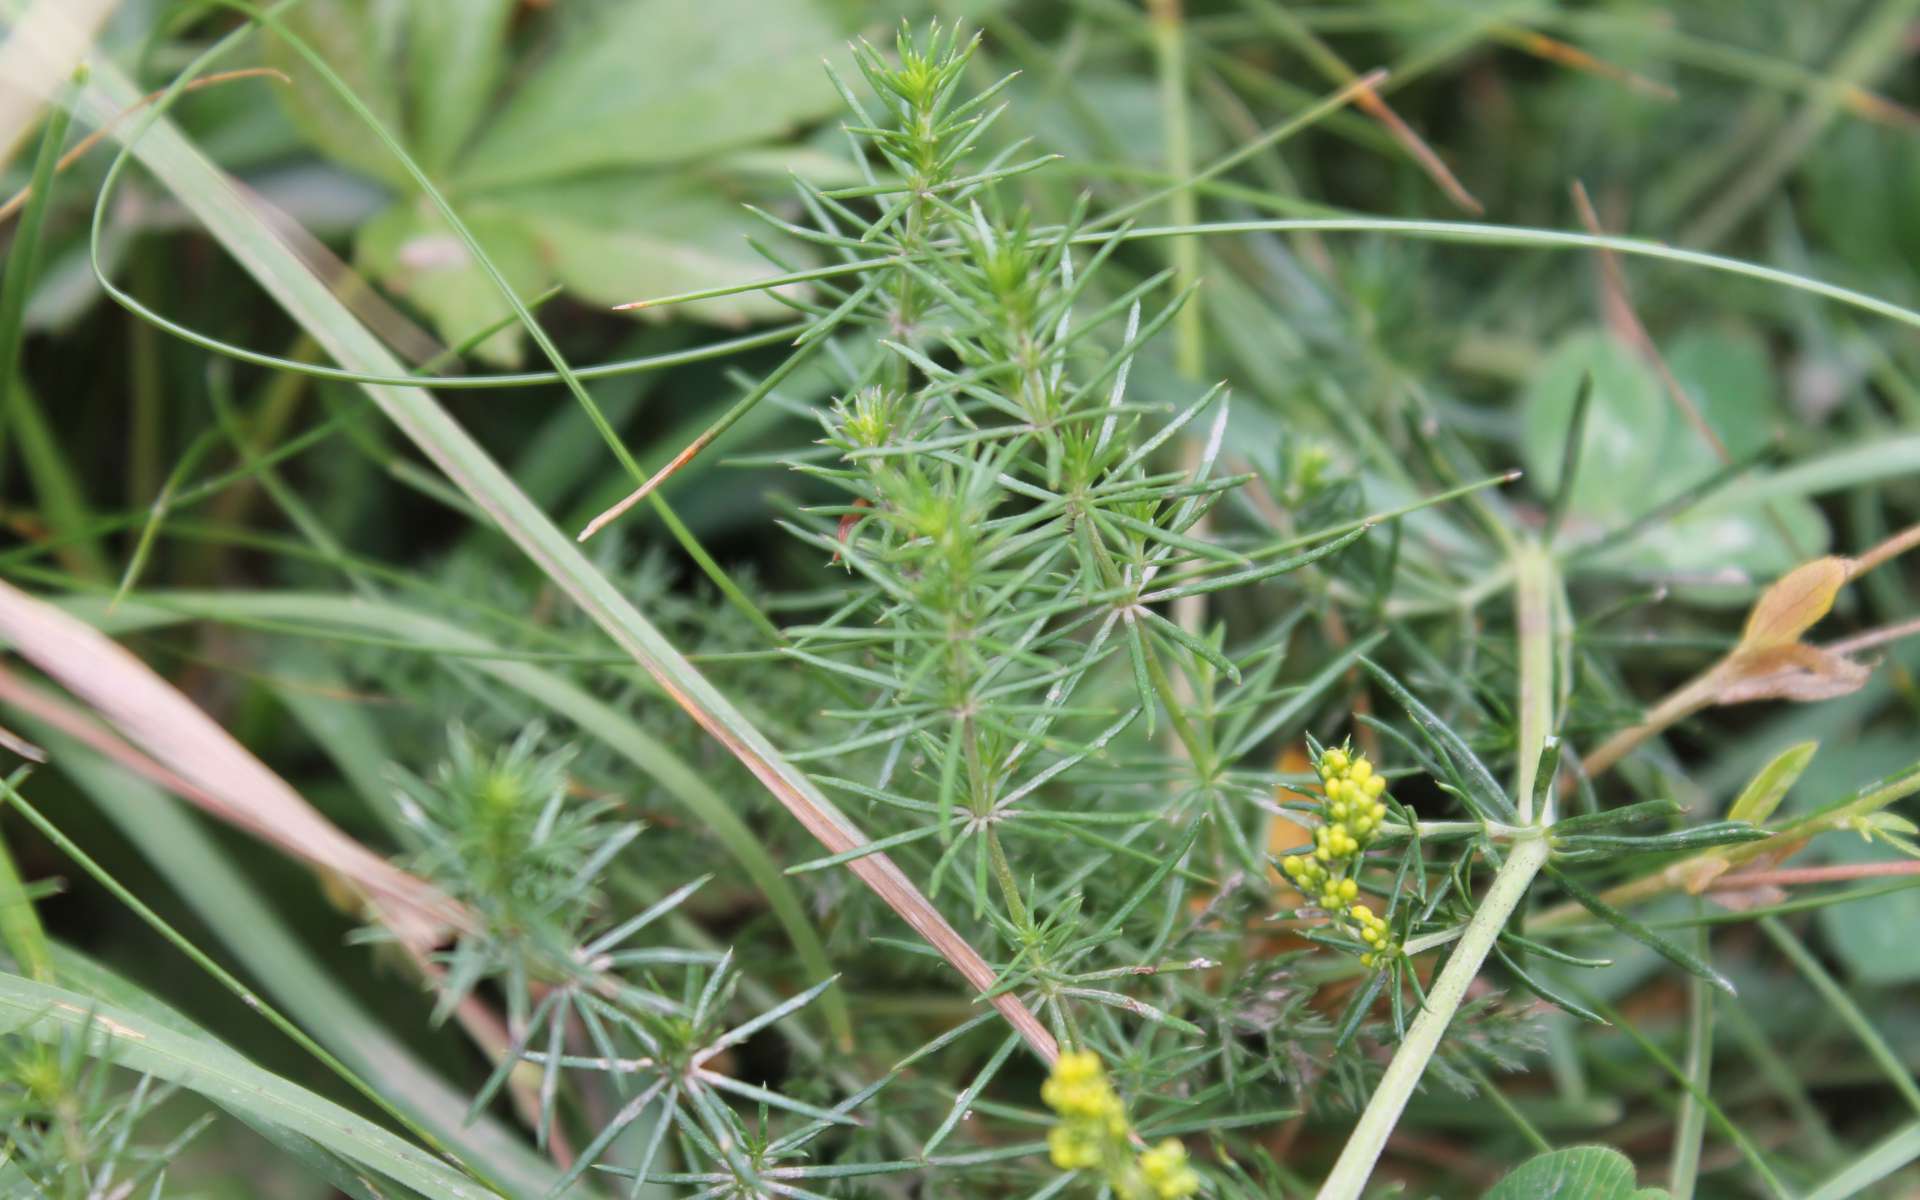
(847, 522)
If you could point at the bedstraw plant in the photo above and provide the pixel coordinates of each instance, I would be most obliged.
(1095, 784)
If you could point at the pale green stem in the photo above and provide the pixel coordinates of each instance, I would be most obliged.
(1432, 941)
(1170, 53)
(1533, 591)
(1189, 345)
(1009, 885)
(1692, 1126)
(1497, 830)
(1369, 1137)
(1535, 588)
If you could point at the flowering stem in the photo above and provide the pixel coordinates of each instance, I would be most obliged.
(1369, 1137)
(1535, 590)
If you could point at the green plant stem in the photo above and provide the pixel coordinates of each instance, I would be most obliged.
(1467, 233)
(1692, 1125)
(1009, 885)
(20, 929)
(22, 260)
(1354, 1167)
(147, 390)
(1849, 1012)
(1533, 591)
(1508, 1109)
(1535, 586)
(1726, 859)
(1170, 56)
(191, 177)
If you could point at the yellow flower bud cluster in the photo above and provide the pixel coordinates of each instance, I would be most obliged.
(1373, 931)
(1094, 1134)
(1166, 1170)
(1354, 807)
(1092, 1118)
(1351, 814)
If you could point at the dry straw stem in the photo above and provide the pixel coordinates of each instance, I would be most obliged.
(205, 191)
(1771, 662)
(202, 762)
(80, 148)
(47, 42)
(1335, 69)
(1553, 50)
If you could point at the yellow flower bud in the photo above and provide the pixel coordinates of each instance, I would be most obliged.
(1071, 1149)
(1166, 1169)
(1078, 1066)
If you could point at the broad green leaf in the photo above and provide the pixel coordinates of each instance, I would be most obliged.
(618, 236)
(359, 38)
(1727, 375)
(1763, 794)
(1870, 460)
(660, 81)
(1628, 422)
(1639, 448)
(1578, 1173)
(608, 238)
(456, 53)
(138, 1042)
(1719, 536)
(1872, 937)
(416, 256)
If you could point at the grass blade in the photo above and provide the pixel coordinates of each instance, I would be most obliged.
(1672, 952)
(44, 1012)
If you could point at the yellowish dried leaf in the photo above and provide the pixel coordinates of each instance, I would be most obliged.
(1795, 602)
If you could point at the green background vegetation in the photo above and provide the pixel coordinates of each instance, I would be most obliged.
(1583, 430)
